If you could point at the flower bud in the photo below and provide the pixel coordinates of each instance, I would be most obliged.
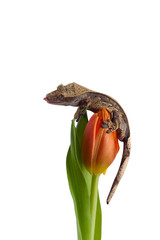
(99, 148)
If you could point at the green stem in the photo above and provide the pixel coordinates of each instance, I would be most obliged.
(94, 195)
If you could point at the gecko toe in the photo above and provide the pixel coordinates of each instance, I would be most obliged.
(109, 131)
(107, 124)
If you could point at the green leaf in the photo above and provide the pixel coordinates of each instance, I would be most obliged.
(78, 188)
(81, 126)
(80, 131)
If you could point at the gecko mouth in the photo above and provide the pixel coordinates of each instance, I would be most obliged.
(47, 100)
(51, 101)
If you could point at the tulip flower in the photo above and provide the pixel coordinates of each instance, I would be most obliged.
(99, 148)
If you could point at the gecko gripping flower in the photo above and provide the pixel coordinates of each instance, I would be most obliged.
(93, 147)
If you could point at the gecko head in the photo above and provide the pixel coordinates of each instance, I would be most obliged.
(65, 95)
(57, 97)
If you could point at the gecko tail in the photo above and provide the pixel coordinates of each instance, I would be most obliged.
(122, 167)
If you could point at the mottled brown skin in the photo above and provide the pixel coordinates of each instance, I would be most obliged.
(81, 97)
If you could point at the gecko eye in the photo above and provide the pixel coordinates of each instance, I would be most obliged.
(61, 97)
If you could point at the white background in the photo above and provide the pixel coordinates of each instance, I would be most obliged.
(108, 46)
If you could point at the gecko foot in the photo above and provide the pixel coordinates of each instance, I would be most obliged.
(80, 112)
(109, 124)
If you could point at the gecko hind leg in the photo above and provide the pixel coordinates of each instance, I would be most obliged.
(111, 125)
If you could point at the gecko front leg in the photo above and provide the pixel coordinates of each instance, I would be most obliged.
(113, 124)
(86, 104)
(78, 113)
(80, 110)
